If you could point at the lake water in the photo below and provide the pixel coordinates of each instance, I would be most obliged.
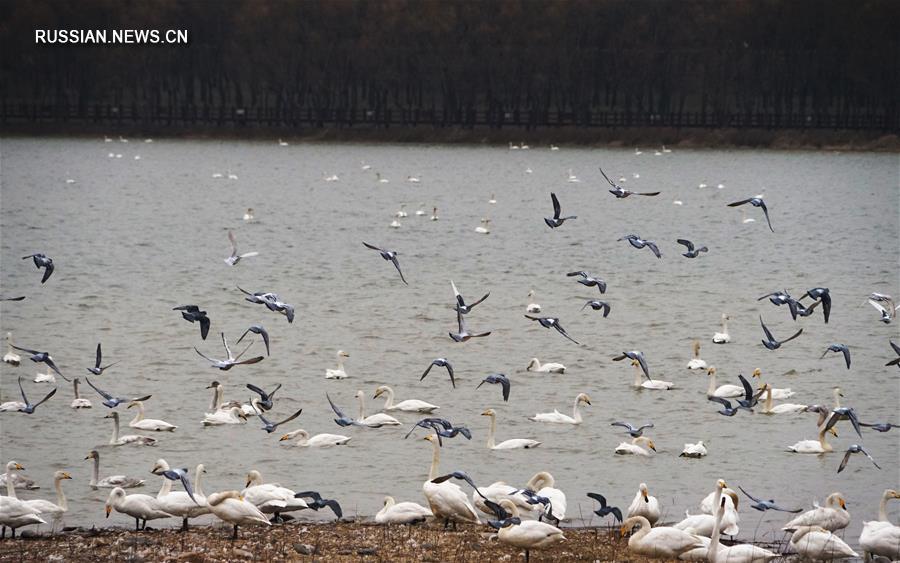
(132, 238)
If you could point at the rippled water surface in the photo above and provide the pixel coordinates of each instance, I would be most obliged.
(133, 238)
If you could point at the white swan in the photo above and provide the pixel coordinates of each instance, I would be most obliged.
(112, 481)
(532, 306)
(338, 373)
(116, 440)
(498, 491)
(723, 337)
(401, 212)
(79, 402)
(248, 216)
(725, 391)
(634, 448)
(375, 420)
(219, 404)
(46, 377)
(401, 513)
(528, 534)
(696, 362)
(654, 384)
(549, 367)
(559, 418)
(833, 516)
(303, 439)
(270, 498)
(662, 542)
(779, 394)
(380, 179)
(493, 200)
(543, 484)
(233, 415)
(420, 212)
(818, 544)
(11, 357)
(511, 444)
(139, 507)
(769, 408)
(880, 537)
(15, 513)
(179, 503)
(739, 553)
(152, 424)
(644, 505)
(231, 507)
(413, 180)
(434, 215)
(572, 177)
(395, 224)
(820, 446)
(409, 405)
(705, 524)
(447, 500)
(694, 450)
(484, 229)
(19, 481)
(282, 143)
(56, 510)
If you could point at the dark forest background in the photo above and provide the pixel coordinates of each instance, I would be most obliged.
(498, 62)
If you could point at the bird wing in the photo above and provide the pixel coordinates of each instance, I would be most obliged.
(367, 245)
(895, 347)
(202, 355)
(428, 369)
(687, 243)
(99, 356)
(653, 248)
(48, 269)
(233, 243)
(260, 415)
(21, 390)
(742, 202)
(748, 390)
(640, 359)
(562, 331)
(238, 357)
(486, 295)
(845, 460)
(238, 341)
(793, 336)
(265, 336)
(256, 389)
(504, 382)
(52, 366)
(648, 425)
(25, 349)
(397, 265)
(334, 407)
(854, 420)
(245, 291)
(103, 393)
(497, 509)
(53, 392)
(846, 352)
(623, 425)
(13, 298)
(556, 209)
(606, 309)
(725, 402)
(766, 330)
(526, 316)
(255, 360)
(860, 449)
(599, 498)
(450, 371)
(288, 419)
(607, 178)
(766, 213)
(272, 393)
(646, 193)
(584, 275)
(456, 295)
(751, 497)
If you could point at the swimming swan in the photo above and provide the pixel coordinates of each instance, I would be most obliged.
(409, 405)
(79, 402)
(559, 418)
(696, 362)
(549, 367)
(116, 440)
(726, 391)
(142, 423)
(338, 373)
(723, 337)
(532, 306)
(11, 357)
(655, 384)
(511, 444)
(303, 439)
(375, 420)
(634, 448)
(111, 481)
(784, 408)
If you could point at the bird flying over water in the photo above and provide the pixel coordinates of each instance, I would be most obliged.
(728, 409)
(632, 431)
(621, 192)
(177, 474)
(500, 379)
(604, 510)
(342, 419)
(588, 280)
(556, 220)
(463, 335)
(443, 363)
(41, 357)
(764, 505)
(97, 370)
(29, 407)
(231, 360)
(389, 255)
(821, 294)
(596, 305)
(639, 243)
(548, 322)
(461, 306)
(770, 341)
(636, 355)
(111, 401)
(895, 361)
(315, 501)
(193, 313)
(885, 305)
(691, 252)
(842, 348)
(42, 261)
(269, 426)
(235, 257)
(265, 399)
(755, 202)
(855, 449)
(257, 329)
(271, 301)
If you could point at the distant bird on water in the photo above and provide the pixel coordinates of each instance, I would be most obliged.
(755, 202)
(193, 313)
(621, 192)
(691, 252)
(42, 261)
(389, 255)
(556, 220)
(552, 322)
(639, 243)
(770, 341)
(589, 281)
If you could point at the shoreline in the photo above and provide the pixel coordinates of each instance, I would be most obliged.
(538, 139)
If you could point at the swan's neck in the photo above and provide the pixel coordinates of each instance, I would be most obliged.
(696, 352)
(115, 433)
(165, 489)
(340, 363)
(642, 531)
(435, 460)
(96, 474)
(882, 508)
(362, 408)
(826, 447)
(198, 490)
(837, 399)
(10, 488)
(712, 384)
(389, 400)
(75, 384)
(725, 326)
(60, 496)
(712, 553)
(637, 376)
(768, 399)
(217, 398)
(575, 414)
(490, 440)
(139, 415)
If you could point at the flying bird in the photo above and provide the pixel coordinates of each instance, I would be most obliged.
(855, 449)
(111, 401)
(443, 363)
(636, 355)
(29, 407)
(755, 202)
(497, 378)
(844, 413)
(621, 192)
(691, 252)
(632, 431)
(12, 298)
(556, 220)
(461, 306)
(442, 427)
(231, 360)
(596, 305)
(842, 348)
(895, 361)
(764, 505)
(885, 305)
(177, 474)
(41, 357)
(235, 257)
(589, 281)
(265, 399)
(97, 370)
(271, 301)
(798, 310)
(822, 294)
(552, 322)
(41, 261)
(315, 501)
(390, 255)
(192, 313)
(342, 420)
(463, 335)
(778, 298)
(728, 409)
(639, 243)
(604, 510)
(257, 329)
(269, 426)
(879, 426)
(770, 341)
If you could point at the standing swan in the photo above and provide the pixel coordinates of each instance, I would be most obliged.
(549, 367)
(135, 439)
(142, 423)
(139, 507)
(338, 373)
(11, 357)
(16, 513)
(723, 337)
(409, 405)
(543, 483)
(739, 553)
(447, 500)
(79, 402)
(696, 362)
(511, 444)
(180, 503)
(559, 418)
(880, 537)
(231, 507)
(47, 508)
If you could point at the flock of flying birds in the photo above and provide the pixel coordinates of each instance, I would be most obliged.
(526, 517)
